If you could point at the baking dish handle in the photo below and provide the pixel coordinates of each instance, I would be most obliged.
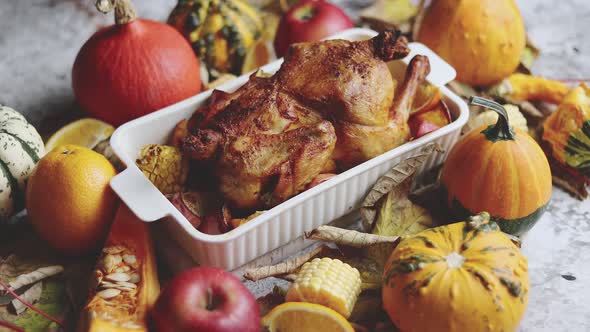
(140, 195)
(441, 72)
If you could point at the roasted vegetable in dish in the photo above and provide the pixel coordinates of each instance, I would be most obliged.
(467, 276)
(498, 169)
(330, 101)
(164, 166)
(567, 131)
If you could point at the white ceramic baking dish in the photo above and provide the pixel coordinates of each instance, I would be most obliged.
(287, 221)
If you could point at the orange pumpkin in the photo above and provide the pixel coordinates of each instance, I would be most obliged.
(467, 276)
(482, 39)
(133, 67)
(499, 169)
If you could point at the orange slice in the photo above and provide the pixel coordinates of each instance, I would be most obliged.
(305, 317)
(84, 132)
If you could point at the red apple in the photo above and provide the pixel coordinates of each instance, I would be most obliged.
(309, 20)
(205, 299)
(420, 127)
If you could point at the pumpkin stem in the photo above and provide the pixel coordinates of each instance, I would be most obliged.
(501, 131)
(479, 219)
(124, 10)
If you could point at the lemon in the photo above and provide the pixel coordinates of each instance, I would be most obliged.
(305, 317)
(84, 132)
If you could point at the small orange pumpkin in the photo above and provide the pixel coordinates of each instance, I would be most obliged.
(499, 169)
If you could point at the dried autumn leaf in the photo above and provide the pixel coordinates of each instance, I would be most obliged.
(370, 270)
(104, 148)
(287, 266)
(267, 302)
(164, 166)
(37, 275)
(367, 307)
(53, 298)
(398, 174)
(398, 216)
(348, 237)
(31, 296)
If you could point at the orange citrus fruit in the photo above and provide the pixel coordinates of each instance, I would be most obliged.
(305, 317)
(86, 132)
(69, 201)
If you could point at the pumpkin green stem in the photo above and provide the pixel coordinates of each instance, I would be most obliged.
(501, 131)
(479, 219)
(124, 10)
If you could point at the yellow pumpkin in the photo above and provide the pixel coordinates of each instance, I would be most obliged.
(482, 39)
(466, 276)
(499, 169)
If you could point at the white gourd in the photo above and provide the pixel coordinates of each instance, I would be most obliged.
(21, 147)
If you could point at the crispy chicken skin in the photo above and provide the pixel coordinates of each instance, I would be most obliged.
(331, 101)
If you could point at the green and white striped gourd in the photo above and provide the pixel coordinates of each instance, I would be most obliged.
(21, 147)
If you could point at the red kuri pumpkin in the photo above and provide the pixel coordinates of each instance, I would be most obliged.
(133, 67)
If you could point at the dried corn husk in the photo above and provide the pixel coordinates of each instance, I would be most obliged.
(31, 296)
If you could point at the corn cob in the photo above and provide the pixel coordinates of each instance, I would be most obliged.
(328, 282)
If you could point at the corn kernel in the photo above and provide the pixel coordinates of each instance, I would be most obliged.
(328, 282)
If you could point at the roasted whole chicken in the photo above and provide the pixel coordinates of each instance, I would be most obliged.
(332, 104)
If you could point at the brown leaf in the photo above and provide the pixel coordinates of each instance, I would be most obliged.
(399, 217)
(34, 276)
(31, 296)
(367, 307)
(285, 267)
(565, 180)
(370, 270)
(348, 237)
(397, 175)
(267, 302)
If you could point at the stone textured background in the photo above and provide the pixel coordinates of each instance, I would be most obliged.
(39, 40)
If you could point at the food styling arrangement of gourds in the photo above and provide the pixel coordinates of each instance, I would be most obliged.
(444, 257)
